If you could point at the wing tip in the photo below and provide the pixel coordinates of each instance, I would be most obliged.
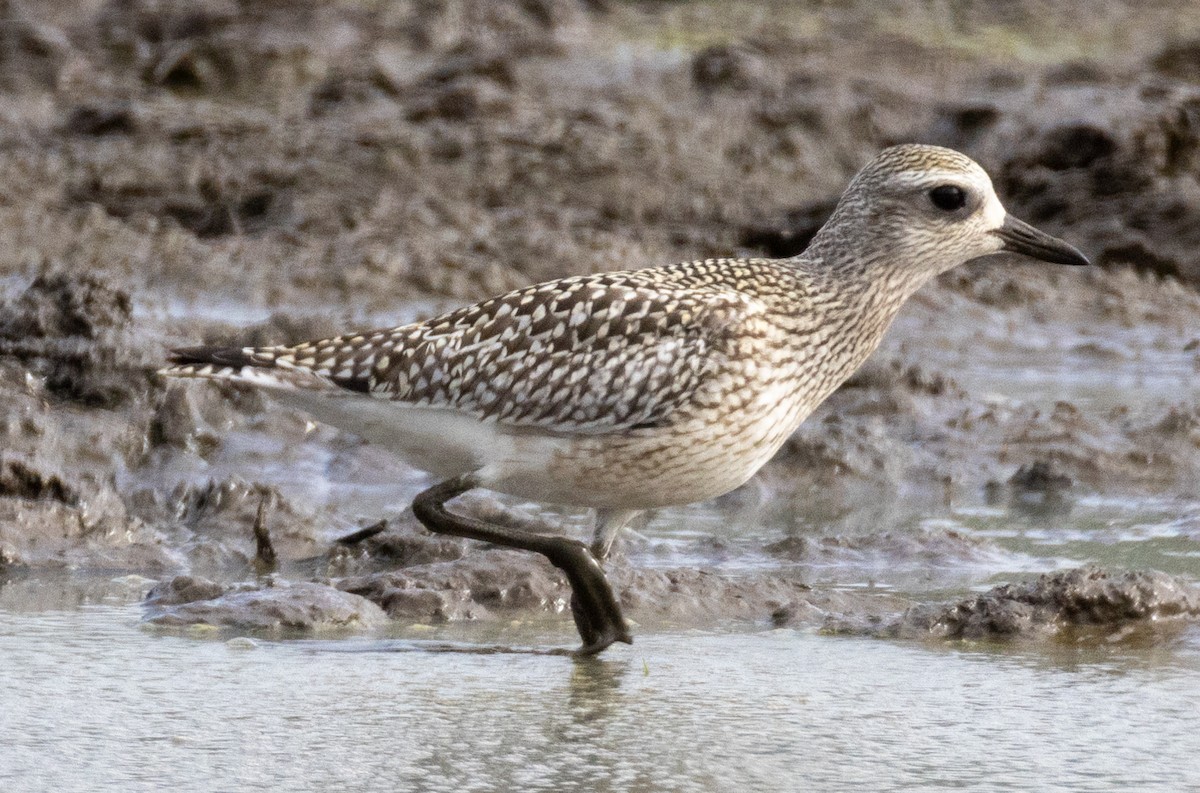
(210, 354)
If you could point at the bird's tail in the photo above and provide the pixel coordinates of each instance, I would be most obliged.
(306, 366)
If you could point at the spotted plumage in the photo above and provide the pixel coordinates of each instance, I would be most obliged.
(635, 389)
(594, 353)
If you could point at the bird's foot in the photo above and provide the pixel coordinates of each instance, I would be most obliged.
(594, 605)
(596, 637)
(597, 613)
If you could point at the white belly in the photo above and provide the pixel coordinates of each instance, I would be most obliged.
(443, 442)
(640, 469)
(629, 471)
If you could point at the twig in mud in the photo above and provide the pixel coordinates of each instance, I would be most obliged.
(355, 537)
(264, 552)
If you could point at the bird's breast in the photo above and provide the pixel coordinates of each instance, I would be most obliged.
(718, 444)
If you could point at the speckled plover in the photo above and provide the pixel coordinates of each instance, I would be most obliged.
(626, 391)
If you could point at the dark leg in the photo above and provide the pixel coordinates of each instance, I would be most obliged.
(593, 604)
(265, 559)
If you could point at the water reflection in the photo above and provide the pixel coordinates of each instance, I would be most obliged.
(595, 688)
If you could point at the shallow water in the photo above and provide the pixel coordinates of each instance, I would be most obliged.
(778, 710)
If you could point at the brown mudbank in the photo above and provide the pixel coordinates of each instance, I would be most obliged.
(1085, 602)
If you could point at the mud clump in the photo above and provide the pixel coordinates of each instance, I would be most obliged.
(724, 67)
(473, 588)
(20, 480)
(1084, 602)
(59, 305)
(281, 608)
(72, 330)
(1074, 146)
(1180, 60)
(467, 83)
(96, 120)
(1039, 488)
(1181, 422)
(183, 589)
(1039, 477)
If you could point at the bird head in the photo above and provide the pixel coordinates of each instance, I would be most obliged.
(928, 209)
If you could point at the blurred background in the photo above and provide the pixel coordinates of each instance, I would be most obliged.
(363, 153)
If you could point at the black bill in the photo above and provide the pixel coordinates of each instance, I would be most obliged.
(1020, 237)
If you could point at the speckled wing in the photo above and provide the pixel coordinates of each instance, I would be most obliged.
(596, 353)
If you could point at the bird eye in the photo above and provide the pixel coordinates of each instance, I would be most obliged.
(948, 197)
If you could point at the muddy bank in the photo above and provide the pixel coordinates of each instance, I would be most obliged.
(74, 385)
(1086, 604)
(419, 578)
(500, 587)
(495, 587)
(894, 423)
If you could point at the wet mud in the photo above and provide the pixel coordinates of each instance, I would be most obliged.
(283, 608)
(215, 173)
(1083, 604)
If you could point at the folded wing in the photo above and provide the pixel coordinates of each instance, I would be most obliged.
(597, 353)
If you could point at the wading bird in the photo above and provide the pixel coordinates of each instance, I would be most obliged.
(627, 391)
